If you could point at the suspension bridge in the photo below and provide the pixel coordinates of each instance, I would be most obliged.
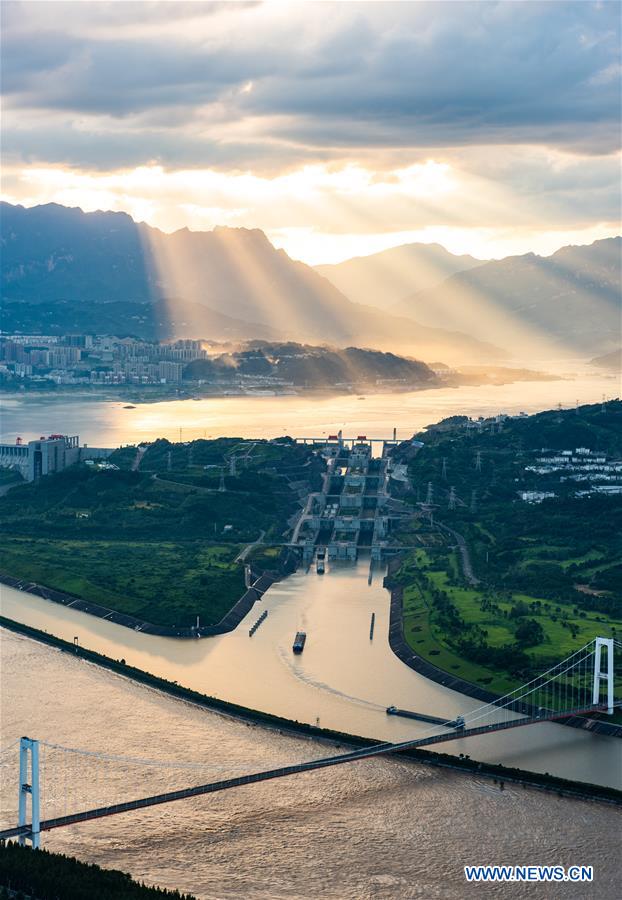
(48, 773)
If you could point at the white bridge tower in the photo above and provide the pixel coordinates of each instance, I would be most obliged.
(601, 674)
(29, 786)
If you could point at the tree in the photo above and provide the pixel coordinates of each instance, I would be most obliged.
(528, 633)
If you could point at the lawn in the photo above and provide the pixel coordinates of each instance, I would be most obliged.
(424, 635)
(164, 582)
(159, 543)
(425, 639)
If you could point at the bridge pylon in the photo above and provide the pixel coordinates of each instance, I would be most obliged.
(29, 786)
(601, 674)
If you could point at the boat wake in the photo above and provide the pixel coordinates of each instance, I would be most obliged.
(285, 657)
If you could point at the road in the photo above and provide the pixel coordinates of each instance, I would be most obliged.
(140, 451)
(467, 568)
(241, 557)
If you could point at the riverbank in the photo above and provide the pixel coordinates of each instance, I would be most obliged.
(500, 773)
(261, 581)
(26, 874)
(407, 655)
(468, 376)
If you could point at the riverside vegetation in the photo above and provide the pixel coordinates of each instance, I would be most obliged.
(546, 576)
(158, 537)
(26, 874)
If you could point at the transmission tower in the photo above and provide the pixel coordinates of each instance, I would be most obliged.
(478, 461)
(232, 469)
(444, 472)
(430, 495)
(168, 461)
(452, 497)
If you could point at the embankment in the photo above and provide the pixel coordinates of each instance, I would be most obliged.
(407, 655)
(261, 581)
(559, 786)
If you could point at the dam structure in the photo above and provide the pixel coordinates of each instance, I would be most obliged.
(354, 510)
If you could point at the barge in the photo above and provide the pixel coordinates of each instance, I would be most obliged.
(457, 723)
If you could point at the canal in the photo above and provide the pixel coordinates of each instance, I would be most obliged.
(342, 680)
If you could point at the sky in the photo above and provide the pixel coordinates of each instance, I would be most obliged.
(340, 129)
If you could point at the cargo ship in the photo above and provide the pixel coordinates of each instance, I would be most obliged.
(321, 562)
(299, 641)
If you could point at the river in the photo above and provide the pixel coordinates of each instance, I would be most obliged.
(102, 423)
(374, 830)
(342, 679)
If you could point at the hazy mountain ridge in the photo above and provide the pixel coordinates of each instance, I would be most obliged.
(179, 284)
(384, 279)
(569, 302)
(611, 361)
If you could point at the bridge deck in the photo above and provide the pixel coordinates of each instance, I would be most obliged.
(324, 762)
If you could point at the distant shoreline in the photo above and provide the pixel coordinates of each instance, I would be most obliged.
(142, 394)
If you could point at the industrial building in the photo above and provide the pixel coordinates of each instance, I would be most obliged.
(33, 459)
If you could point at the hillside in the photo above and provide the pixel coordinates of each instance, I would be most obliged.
(64, 269)
(159, 543)
(383, 279)
(565, 304)
(37, 873)
(541, 530)
(313, 367)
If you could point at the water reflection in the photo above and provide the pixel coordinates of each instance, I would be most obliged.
(342, 679)
(109, 424)
(382, 828)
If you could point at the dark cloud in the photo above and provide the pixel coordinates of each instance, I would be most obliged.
(54, 143)
(346, 77)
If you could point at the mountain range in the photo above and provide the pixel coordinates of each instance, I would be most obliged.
(386, 278)
(568, 303)
(66, 270)
(565, 304)
(610, 361)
